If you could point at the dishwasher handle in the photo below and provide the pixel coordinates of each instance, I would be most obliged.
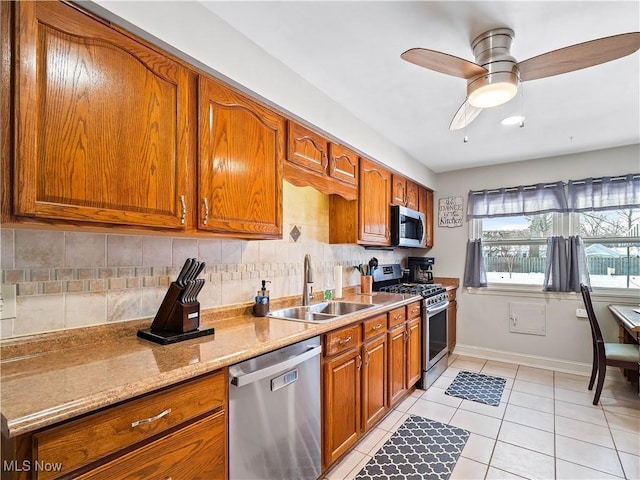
(251, 377)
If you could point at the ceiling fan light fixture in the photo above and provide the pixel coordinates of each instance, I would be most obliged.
(513, 120)
(492, 90)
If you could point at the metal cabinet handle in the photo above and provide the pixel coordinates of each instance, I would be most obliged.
(206, 210)
(346, 340)
(397, 316)
(184, 209)
(360, 361)
(376, 327)
(144, 421)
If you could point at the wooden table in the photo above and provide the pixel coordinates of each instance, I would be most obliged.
(628, 317)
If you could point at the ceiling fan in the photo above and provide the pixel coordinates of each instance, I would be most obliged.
(494, 77)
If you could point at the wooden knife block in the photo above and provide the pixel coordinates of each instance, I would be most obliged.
(175, 316)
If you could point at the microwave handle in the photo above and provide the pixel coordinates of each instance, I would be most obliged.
(421, 230)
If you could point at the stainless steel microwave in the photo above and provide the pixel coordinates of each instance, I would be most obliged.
(407, 227)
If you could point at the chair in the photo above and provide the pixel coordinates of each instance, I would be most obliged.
(622, 355)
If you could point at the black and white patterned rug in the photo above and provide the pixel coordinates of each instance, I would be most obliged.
(420, 449)
(477, 387)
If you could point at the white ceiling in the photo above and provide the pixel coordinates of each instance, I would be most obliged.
(351, 51)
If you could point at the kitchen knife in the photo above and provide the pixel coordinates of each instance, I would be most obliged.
(194, 266)
(200, 284)
(184, 298)
(199, 270)
(183, 272)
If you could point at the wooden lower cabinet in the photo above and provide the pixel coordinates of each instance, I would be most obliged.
(197, 451)
(451, 320)
(179, 432)
(363, 379)
(374, 381)
(413, 351)
(341, 427)
(397, 363)
(404, 351)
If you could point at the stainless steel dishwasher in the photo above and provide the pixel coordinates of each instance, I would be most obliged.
(274, 414)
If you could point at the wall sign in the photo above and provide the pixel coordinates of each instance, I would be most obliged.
(450, 212)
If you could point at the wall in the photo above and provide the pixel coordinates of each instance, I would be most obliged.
(69, 279)
(483, 317)
(196, 34)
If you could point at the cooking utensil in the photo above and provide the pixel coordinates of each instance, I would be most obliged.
(199, 284)
(373, 264)
(199, 270)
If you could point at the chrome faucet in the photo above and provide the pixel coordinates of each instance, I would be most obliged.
(307, 278)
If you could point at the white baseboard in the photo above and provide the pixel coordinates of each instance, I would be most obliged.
(546, 363)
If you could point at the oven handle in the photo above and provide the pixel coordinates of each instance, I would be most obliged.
(436, 310)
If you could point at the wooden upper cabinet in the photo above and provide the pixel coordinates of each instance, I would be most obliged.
(307, 149)
(425, 205)
(405, 192)
(242, 145)
(374, 203)
(103, 124)
(343, 164)
(314, 161)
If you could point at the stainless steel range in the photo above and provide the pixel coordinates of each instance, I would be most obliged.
(388, 278)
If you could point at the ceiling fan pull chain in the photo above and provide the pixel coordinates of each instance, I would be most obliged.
(466, 123)
(521, 105)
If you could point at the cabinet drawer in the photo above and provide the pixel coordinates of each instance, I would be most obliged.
(374, 326)
(397, 316)
(83, 441)
(451, 294)
(197, 451)
(413, 309)
(342, 340)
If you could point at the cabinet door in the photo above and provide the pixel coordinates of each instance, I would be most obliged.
(413, 351)
(307, 149)
(197, 451)
(240, 164)
(343, 164)
(412, 195)
(425, 205)
(399, 191)
(451, 325)
(397, 364)
(374, 211)
(341, 404)
(375, 402)
(103, 124)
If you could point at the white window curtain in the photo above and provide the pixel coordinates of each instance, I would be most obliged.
(475, 272)
(522, 200)
(604, 193)
(566, 266)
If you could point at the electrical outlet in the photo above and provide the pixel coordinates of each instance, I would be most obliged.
(7, 301)
(581, 313)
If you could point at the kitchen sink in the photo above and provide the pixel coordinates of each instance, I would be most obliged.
(319, 312)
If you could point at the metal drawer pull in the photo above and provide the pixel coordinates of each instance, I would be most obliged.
(150, 419)
(397, 316)
(346, 340)
(376, 327)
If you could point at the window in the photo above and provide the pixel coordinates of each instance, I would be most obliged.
(515, 246)
(612, 245)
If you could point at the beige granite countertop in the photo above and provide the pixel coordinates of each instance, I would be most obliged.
(55, 377)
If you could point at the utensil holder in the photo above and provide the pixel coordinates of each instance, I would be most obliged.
(175, 321)
(366, 284)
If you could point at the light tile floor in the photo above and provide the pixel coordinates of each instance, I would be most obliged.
(545, 426)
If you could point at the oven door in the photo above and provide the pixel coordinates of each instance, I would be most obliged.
(435, 351)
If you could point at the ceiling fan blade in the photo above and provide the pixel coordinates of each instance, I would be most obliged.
(464, 116)
(577, 57)
(443, 62)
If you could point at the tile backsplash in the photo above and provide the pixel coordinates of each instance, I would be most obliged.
(69, 279)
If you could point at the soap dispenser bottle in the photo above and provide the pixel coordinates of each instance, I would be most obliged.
(261, 307)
